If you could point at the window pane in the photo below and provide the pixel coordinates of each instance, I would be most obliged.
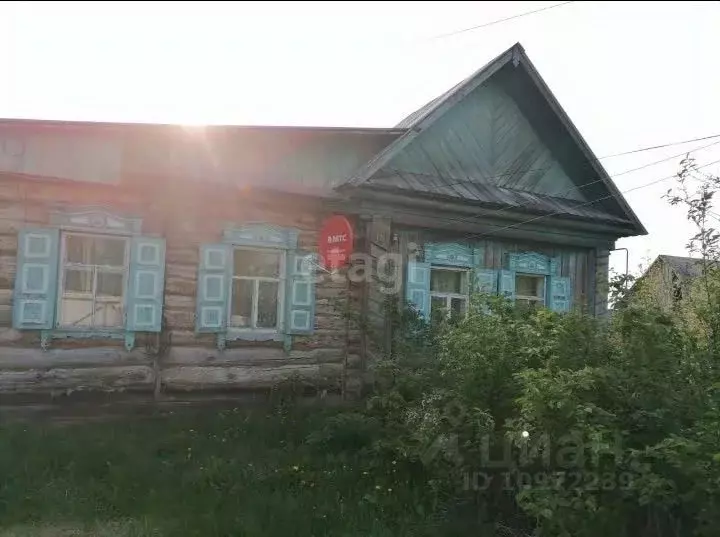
(267, 305)
(76, 312)
(78, 249)
(438, 308)
(256, 263)
(457, 307)
(109, 284)
(108, 251)
(89, 250)
(108, 314)
(242, 298)
(529, 286)
(448, 281)
(78, 281)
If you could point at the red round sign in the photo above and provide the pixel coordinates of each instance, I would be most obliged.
(335, 243)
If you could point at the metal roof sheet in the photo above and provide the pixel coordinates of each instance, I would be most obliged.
(487, 194)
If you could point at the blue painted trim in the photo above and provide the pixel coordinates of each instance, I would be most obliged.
(96, 220)
(262, 234)
(234, 334)
(532, 263)
(451, 253)
(127, 336)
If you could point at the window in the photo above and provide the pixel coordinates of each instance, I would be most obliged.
(449, 292)
(530, 290)
(257, 289)
(93, 278)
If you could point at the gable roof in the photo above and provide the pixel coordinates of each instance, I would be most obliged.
(685, 267)
(375, 173)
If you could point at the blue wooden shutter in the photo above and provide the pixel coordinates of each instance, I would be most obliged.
(146, 284)
(507, 284)
(300, 294)
(36, 277)
(213, 287)
(560, 294)
(486, 281)
(417, 289)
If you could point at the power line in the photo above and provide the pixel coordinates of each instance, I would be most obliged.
(498, 21)
(587, 203)
(520, 206)
(660, 146)
(639, 150)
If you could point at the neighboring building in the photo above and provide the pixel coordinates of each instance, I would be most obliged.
(156, 257)
(670, 281)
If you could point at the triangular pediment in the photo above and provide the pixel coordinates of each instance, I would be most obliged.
(500, 137)
(485, 138)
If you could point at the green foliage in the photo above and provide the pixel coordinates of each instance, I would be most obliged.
(530, 421)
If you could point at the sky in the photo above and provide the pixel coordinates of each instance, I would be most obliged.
(629, 74)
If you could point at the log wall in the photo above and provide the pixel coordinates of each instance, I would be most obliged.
(186, 215)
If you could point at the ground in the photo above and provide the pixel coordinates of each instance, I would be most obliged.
(195, 469)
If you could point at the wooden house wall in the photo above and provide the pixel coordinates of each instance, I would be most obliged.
(587, 267)
(186, 216)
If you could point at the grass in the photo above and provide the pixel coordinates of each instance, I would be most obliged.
(200, 472)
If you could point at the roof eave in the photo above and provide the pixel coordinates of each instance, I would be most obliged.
(580, 141)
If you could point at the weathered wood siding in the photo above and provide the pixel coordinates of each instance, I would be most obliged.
(186, 215)
(574, 263)
(577, 263)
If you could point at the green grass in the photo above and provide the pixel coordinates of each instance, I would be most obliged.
(202, 472)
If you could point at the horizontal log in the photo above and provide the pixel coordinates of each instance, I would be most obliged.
(9, 335)
(181, 271)
(6, 295)
(192, 378)
(173, 301)
(237, 356)
(137, 377)
(28, 358)
(9, 243)
(8, 264)
(5, 315)
(185, 253)
(179, 319)
(182, 338)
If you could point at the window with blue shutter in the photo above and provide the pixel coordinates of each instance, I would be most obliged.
(506, 284)
(255, 286)
(92, 275)
(213, 284)
(36, 279)
(560, 294)
(300, 294)
(486, 281)
(417, 289)
(146, 283)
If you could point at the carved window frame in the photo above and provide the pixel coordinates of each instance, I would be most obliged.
(98, 222)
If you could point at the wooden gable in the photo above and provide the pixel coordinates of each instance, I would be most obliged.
(500, 138)
(485, 138)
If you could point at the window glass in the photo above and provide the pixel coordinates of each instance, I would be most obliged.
(457, 307)
(93, 279)
(267, 304)
(438, 308)
(242, 301)
(529, 286)
(257, 263)
(256, 288)
(91, 250)
(448, 281)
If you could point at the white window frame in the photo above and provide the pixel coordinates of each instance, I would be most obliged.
(282, 281)
(449, 296)
(541, 300)
(106, 268)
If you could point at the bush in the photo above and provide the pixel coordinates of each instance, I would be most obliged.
(555, 425)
